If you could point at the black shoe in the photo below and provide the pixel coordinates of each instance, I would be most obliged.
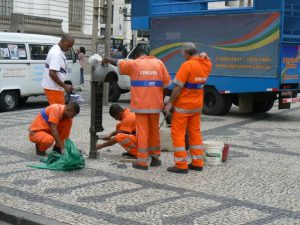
(174, 169)
(155, 162)
(56, 149)
(39, 152)
(139, 167)
(198, 168)
(126, 154)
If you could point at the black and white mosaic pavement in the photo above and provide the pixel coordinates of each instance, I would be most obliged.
(258, 185)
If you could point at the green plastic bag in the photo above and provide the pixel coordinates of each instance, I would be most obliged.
(71, 159)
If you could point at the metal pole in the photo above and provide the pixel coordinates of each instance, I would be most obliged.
(95, 26)
(108, 27)
(93, 135)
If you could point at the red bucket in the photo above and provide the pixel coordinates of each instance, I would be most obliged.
(225, 152)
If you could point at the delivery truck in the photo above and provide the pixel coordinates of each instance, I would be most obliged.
(255, 50)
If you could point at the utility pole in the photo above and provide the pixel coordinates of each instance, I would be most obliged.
(108, 27)
(95, 26)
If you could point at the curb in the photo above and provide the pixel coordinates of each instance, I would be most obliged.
(18, 217)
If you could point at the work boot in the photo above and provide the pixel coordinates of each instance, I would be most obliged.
(198, 168)
(56, 149)
(139, 167)
(174, 169)
(155, 162)
(39, 152)
(126, 154)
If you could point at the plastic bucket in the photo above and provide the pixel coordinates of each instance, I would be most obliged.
(213, 152)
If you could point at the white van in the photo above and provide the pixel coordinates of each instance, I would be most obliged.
(22, 65)
(120, 84)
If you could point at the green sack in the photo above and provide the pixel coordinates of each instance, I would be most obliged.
(71, 159)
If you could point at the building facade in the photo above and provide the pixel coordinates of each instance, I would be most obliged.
(54, 17)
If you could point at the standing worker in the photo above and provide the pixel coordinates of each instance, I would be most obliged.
(149, 78)
(52, 124)
(56, 71)
(125, 133)
(187, 102)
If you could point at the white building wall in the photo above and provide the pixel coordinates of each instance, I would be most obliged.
(57, 9)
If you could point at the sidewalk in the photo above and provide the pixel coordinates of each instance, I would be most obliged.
(249, 189)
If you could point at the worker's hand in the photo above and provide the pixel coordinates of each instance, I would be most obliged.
(98, 146)
(204, 55)
(168, 108)
(104, 61)
(68, 88)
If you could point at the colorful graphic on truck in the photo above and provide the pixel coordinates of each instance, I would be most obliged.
(290, 64)
(251, 52)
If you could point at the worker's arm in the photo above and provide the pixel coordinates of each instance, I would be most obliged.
(108, 137)
(111, 142)
(107, 60)
(55, 134)
(53, 74)
(175, 93)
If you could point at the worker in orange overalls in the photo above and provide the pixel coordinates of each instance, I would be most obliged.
(56, 70)
(52, 125)
(149, 78)
(187, 102)
(125, 133)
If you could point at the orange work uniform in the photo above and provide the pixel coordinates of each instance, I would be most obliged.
(148, 78)
(188, 105)
(55, 97)
(39, 130)
(127, 139)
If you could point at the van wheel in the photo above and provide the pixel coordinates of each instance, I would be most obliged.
(8, 100)
(114, 91)
(216, 104)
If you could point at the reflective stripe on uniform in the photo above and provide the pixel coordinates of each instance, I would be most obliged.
(142, 160)
(143, 150)
(179, 149)
(179, 83)
(154, 148)
(45, 116)
(62, 70)
(180, 110)
(145, 110)
(193, 86)
(196, 146)
(177, 159)
(197, 157)
(146, 83)
(125, 141)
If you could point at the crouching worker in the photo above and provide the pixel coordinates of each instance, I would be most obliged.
(52, 126)
(125, 133)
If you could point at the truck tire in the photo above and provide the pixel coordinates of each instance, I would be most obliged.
(262, 106)
(9, 101)
(114, 91)
(216, 104)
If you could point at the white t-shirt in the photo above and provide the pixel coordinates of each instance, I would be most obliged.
(56, 60)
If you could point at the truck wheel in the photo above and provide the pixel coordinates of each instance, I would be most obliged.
(8, 100)
(262, 106)
(114, 91)
(216, 104)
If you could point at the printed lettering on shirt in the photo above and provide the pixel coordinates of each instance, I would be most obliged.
(148, 73)
(200, 79)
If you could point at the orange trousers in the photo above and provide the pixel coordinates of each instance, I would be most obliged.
(191, 123)
(45, 140)
(128, 142)
(147, 128)
(55, 97)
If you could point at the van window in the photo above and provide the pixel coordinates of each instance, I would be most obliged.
(12, 51)
(70, 55)
(39, 52)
